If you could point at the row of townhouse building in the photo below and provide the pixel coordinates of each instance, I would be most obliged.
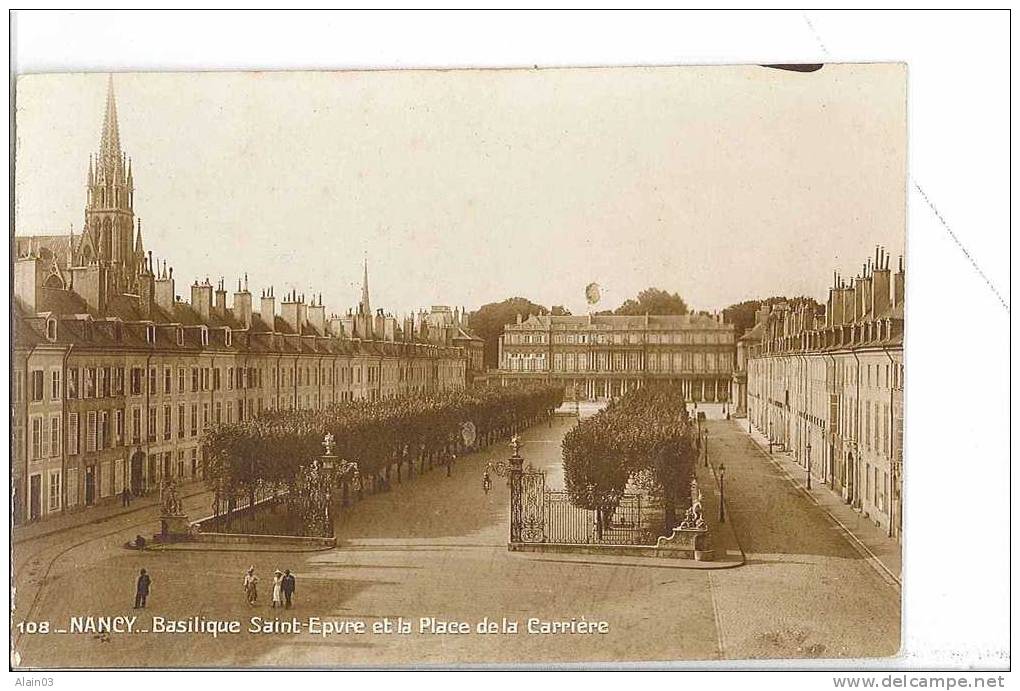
(104, 403)
(829, 388)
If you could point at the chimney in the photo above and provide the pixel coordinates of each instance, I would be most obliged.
(379, 327)
(349, 326)
(336, 327)
(27, 277)
(267, 309)
(834, 308)
(866, 295)
(289, 312)
(898, 288)
(146, 293)
(880, 285)
(848, 303)
(302, 312)
(221, 298)
(146, 287)
(165, 291)
(201, 298)
(242, 305)
(317, 316)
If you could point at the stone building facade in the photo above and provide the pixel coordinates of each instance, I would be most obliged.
(599, 357)
(115, 377)
(829, 388)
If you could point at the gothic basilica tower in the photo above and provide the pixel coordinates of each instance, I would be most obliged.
(109, 240)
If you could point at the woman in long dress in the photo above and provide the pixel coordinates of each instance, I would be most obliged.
(277, 589)
(251, 586)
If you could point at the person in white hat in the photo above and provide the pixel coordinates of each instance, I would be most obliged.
(277, 589)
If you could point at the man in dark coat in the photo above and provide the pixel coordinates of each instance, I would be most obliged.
(142, 589)
(287, 586)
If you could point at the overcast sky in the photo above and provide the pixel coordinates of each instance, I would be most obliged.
(466, 187)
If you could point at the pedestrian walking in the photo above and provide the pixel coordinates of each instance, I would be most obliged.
(142, 589)
(251, 582)
(277, 600)
(125, 497)
(486, 482)
(288, 587)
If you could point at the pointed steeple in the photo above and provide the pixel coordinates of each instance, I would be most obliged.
(366, 307)
(139, 248)
(109, 142)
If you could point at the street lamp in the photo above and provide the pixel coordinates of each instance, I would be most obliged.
(722, 492)
(706, 448)
(809, 465)
(331, 472)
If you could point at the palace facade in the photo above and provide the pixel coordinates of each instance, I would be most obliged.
(115, 377)
(599, 357)
(829, 388)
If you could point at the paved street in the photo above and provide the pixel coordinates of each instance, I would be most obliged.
(805, 591)
(437, 547)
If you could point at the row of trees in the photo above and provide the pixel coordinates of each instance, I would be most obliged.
(380, 436)
(645, 437)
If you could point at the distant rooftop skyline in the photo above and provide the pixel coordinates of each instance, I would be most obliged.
(467, 187)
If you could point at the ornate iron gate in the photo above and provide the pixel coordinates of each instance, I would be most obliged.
(548, 516)
(533, 506)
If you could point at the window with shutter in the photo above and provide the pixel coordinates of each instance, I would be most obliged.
(102, 430)
(36, 437)
(54, 491)
(136, 425)
(72, 487)
(55, 435)
(37, 385)
(45, 439)
(72, 434)
(90, 431)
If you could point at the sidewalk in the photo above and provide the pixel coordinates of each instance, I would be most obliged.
(96, 514)
(886, 552)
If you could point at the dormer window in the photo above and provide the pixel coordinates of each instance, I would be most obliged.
(180, 336)
(150, 333)
(226, 336)
(51, 330)
(205, 336)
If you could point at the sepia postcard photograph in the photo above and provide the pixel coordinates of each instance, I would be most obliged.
(416, 368)
(428, 367)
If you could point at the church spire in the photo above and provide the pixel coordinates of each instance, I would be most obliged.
(366, 307)
(109, 142)
(139, 248)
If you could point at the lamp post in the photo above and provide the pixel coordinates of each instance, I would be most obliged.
(515, 470)
(331, 471)
(722, 492)
(809, 465)
(706, 448)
